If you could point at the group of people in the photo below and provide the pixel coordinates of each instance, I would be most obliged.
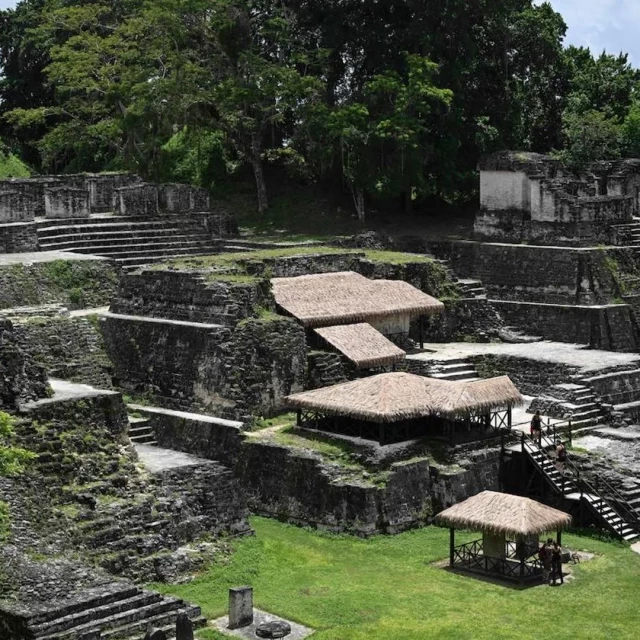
(550, 555)
(536, 434)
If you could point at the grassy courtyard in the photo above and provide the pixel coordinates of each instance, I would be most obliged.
(390, 588)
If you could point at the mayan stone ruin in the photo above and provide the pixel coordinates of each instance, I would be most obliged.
(319, 320)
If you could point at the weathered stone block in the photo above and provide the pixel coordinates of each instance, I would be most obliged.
(137, 200)
(240, 607)
(66, 202)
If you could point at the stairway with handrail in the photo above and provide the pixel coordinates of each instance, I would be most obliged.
(600, 497)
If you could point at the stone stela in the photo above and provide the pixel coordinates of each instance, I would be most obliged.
(240, 607)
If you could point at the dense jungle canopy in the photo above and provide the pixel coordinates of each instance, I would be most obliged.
(390, 101)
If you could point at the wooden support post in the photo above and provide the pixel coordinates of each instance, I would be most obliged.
(509, 417)
(452, 545)
(298, 417)
(421, 325)
(559, 538)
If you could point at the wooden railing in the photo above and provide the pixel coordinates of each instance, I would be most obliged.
(470, 556)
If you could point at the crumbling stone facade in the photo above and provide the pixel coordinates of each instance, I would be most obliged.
(21, 379)
(531, 197)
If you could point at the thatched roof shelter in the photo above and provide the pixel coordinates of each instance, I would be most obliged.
(393, 397)
(347, 297)
(362, 344)
(503, 513)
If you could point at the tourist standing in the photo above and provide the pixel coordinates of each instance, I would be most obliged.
(556, 563)
(561, 457)
(545, 558)
(536, 427)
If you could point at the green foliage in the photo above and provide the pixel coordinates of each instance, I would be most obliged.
(590, 136)
(10, 166)
(5, 521)
(351, 589)
(12, 459)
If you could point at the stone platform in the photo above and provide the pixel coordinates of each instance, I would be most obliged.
(577, 356)
(298, 631)
(43, 256)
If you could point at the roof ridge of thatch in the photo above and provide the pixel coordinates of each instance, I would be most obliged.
(396, 396)
(346, 297)
(504, 513)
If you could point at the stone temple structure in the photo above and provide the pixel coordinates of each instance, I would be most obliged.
(115, 215)
(530, 197)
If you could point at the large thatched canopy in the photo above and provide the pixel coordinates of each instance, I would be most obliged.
(347, 297)
(362, 344)
(500, 513)
(393, 397)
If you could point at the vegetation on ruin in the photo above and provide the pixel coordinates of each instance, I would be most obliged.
(13, 459)
(396, 588)
(5, 522)
(77, 283)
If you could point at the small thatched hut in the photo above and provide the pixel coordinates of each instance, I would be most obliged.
(510, 528)
(346, 297)
(392, 407)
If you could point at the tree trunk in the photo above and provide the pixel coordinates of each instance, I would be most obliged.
(261, 187)
(358, 201)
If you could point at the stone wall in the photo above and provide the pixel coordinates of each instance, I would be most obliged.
(180, 295)
(136, 200)
(68, 348)
(102, 189)
(204, 436)
(21, 378)
(74, 283)
(298, 487)
(556, 275)
(229, 372)
(463, 319)
(66, 202)
(608, 327)
(18, 237)
(325, 368)
(120, 518)
(145, 199)
(532, 377)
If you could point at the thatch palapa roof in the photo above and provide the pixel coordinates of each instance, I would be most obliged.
(362, 344)
(393, 397)
(347, 297)
(503, 513)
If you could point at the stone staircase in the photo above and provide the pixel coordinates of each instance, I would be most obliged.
(130, 241)
(572, 401)
(458, 369)
(124, 612)
(453, 369)
(141, 431)
(616, 518)
(471, 288)
(621, 389)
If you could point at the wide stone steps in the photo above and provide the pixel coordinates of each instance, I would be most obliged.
(72, 622)
(130, 241)
(123, 620)
(458, 369)
(126, 239)
(172, 245)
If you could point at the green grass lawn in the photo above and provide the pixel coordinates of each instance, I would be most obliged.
(388, 588)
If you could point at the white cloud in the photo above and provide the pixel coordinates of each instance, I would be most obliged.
(609, 25)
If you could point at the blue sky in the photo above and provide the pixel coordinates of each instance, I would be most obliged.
(599, 24)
